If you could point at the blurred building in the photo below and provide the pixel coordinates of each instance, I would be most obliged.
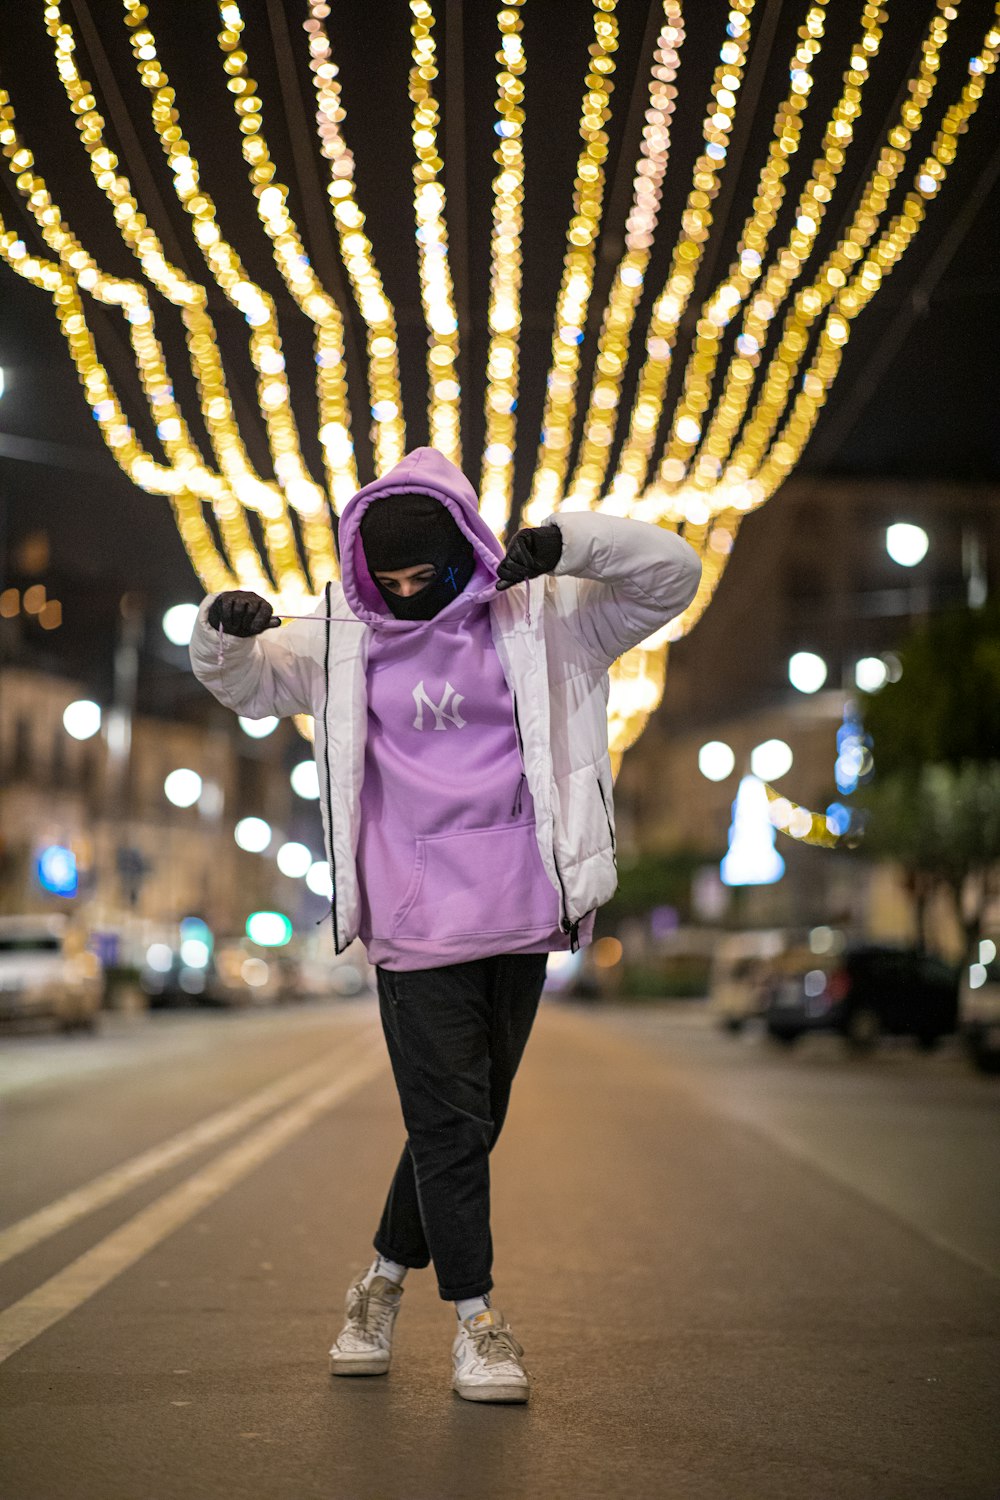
(141, 863)
(811, 574)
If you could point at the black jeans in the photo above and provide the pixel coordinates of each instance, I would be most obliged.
(455, 1036)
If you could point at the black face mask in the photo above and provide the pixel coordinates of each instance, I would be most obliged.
(403, 531)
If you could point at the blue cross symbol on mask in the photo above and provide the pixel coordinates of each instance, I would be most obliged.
(450, 578)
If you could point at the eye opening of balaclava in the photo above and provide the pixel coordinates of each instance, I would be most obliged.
(402, 531)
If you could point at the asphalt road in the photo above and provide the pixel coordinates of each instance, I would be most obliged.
(737, 1275)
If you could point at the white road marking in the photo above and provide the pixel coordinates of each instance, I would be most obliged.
(68, 1289)
(121, 1179)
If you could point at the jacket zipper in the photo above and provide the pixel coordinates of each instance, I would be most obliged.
(614, 846)
(564, 923)
(329, 797)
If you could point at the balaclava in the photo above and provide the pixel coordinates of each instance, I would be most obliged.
(400, 531)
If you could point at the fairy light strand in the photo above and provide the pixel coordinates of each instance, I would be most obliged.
(437, 294)
(573, 300)
(720, 308)
(696, 221)
(388, 430)
(754, 455)
(613, 346)
(504, 311)
(299, 276)
(232, 277)
(787, 265)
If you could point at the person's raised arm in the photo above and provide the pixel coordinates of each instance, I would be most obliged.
(248, 664)
(631, 578)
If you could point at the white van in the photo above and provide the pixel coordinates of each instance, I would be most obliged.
(46, 971)
(740, 963)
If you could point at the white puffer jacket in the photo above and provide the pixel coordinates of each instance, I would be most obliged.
(616, 582)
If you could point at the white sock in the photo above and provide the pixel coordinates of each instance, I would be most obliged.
(382, 1267)
(469, 1305)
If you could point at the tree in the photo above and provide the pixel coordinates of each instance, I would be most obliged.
(945, 707)
(934, 804)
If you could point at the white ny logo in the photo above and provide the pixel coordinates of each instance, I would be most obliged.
(440, 712)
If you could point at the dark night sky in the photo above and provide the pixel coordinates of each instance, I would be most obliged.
(929, 409)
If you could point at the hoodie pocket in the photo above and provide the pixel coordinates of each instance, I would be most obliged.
(478, 881)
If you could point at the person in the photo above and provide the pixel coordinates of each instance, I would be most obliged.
(459, 694)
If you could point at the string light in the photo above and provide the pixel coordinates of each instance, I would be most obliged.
(879, 263)
(232, 277)
(137, 463)
(388, 430)
(504, 312)
(647, 407)
(786, 267)
(626, 291)
(831, 279)
(832, 276)
(719, 310)
(716, 464)
(309, 293)
(573, 299)
(436, 292)
(187, 471)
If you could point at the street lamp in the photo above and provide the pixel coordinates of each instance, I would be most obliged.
(716, 760)
(806, 671)
(305, 780)
(870, 674)
(182, 787)
(252, 834)
(294, 860)
(906, 544)
(318, 879)
(82, 718)
(771, 760)
(258, 729)
(178, 623)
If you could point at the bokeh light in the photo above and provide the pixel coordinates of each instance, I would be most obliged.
(716, 760)
(82, 718)
(252, 834)
(771, 760)
(906, 544)
(179, 622)
(182, 787)
(806, 671)
(305, 780)
(294, 859)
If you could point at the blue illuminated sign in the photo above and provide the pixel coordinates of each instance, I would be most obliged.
(56, 868)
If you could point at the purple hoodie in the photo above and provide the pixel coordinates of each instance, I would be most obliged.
(448, 861)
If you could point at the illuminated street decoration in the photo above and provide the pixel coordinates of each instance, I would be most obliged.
(745, 411)
(751, 858)
(855, 764)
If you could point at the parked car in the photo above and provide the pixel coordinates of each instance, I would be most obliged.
(865, 992)
(235, 974)
(47, 972)
(739, 970)
(979, 1006)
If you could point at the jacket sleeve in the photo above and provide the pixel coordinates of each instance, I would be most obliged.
(631, 576)
(259, 676)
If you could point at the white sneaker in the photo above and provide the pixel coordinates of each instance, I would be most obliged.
(487, 1360)
(364, 1344)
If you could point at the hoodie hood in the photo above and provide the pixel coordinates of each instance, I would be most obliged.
(425, 471)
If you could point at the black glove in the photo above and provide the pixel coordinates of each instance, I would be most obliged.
(241, 612)
(534, 550)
